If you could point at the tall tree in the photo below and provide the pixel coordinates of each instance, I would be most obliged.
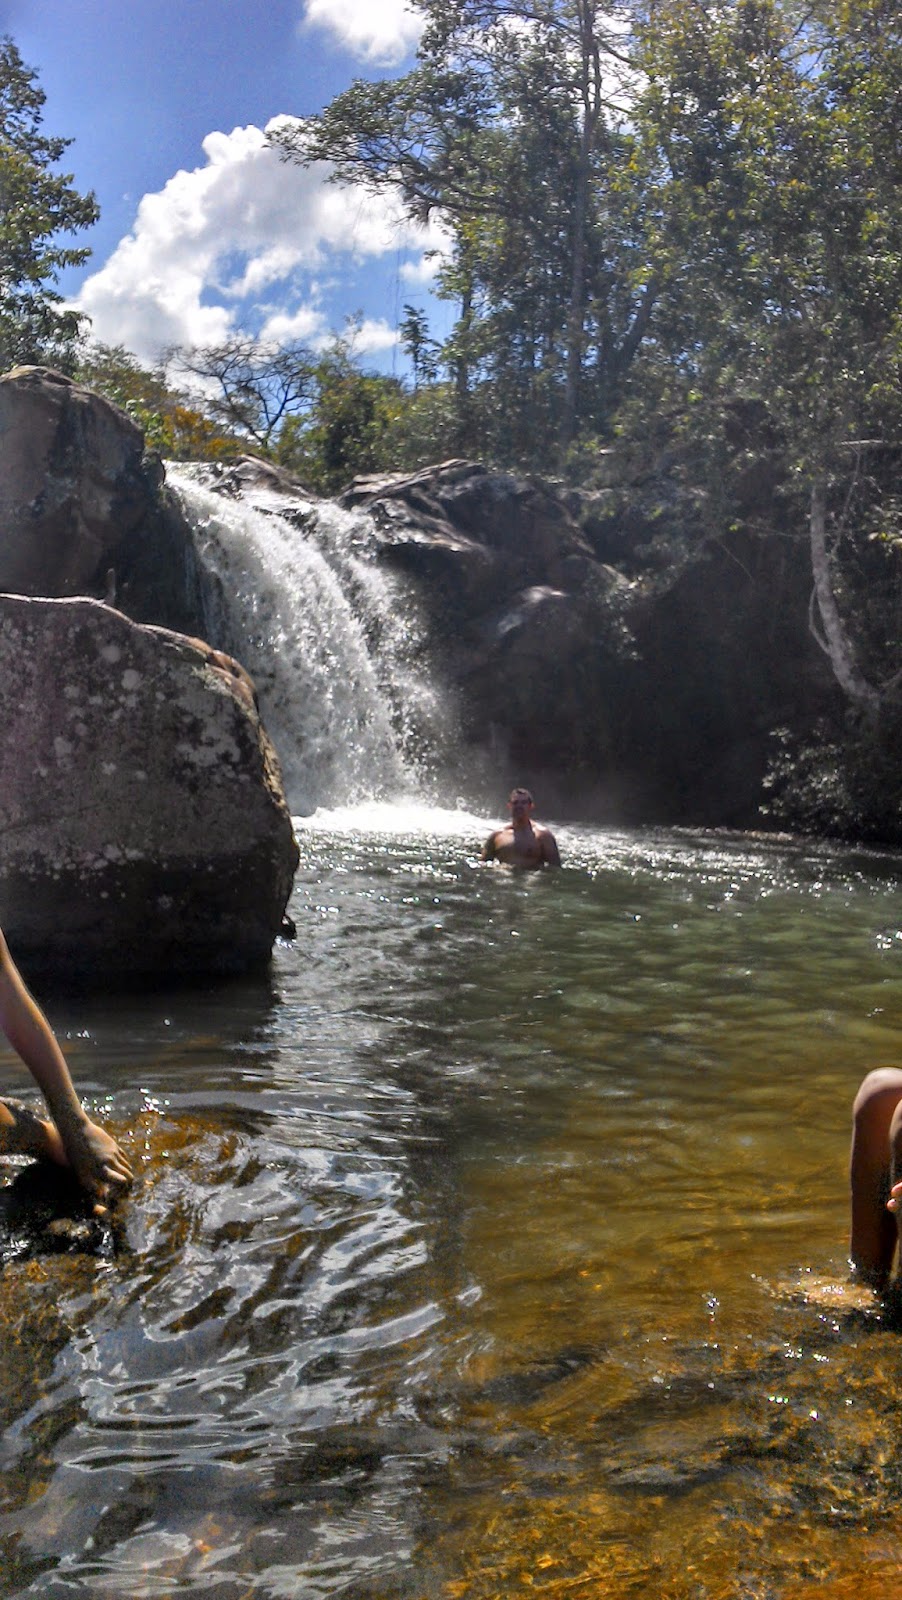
(779, 228)
(342, 432)
(413, 331)
(38, 208)
(512, 130)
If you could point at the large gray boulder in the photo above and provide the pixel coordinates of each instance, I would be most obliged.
(83, 511)
(71, 483)
(482, 533)
(143, 827)
(520, 619)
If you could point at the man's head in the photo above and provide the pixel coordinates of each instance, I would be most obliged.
(520, 803)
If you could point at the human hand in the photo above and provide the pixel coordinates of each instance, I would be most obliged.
(97, 1162)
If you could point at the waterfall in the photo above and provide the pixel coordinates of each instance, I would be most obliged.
(333, 642)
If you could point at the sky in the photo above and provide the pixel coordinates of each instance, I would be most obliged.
(203, 230)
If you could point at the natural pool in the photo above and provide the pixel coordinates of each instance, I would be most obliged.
(494, 1244)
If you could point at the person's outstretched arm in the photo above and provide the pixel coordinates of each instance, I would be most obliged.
(93, 1155)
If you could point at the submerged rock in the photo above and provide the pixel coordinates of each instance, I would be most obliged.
(143, 825)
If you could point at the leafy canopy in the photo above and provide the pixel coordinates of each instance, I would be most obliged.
(38, 208)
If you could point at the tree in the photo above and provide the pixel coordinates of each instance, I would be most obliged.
(342, 432)
(778, 207)
(172, 422)
(318, 415)
(511, 130)
(252, 388)
(416, 343)
(38, 208)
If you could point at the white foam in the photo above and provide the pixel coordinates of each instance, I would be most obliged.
(395, 819)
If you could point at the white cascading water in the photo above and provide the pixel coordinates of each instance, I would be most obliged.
(330, 639)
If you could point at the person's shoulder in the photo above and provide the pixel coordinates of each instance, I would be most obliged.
(550, 852)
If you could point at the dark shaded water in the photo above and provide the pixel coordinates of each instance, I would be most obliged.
(495, 1243)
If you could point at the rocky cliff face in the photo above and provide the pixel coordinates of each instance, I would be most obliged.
(629, 676)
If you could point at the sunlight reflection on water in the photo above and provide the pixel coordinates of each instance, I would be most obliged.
(497, 1235)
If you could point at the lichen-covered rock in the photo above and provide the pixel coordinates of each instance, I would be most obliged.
(143, 827)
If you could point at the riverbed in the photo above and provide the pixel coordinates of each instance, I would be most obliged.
(493, 1243)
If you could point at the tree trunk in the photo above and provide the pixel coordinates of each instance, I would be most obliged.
(591, 98)
(836, 641)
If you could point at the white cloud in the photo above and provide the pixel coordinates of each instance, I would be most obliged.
(282, 327)
(213, 240)
(374, 334)
(379, 31)
(421, 273)
(260, 271)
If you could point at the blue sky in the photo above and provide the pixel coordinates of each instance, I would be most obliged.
(203, 231)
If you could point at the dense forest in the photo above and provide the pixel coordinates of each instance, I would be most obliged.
(673, 230)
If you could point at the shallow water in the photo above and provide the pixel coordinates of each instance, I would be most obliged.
(495, 1242)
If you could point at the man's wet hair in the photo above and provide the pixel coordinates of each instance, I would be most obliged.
(521, 794)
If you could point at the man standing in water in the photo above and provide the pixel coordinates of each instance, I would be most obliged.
(522, 843)
(71, 1139)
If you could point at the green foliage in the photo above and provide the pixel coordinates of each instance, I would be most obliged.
(38, 208)
(413, 331)
(510, 131)
(778, 246)
(423, 430)
(342, 433)
(778, 237)
(844, 782)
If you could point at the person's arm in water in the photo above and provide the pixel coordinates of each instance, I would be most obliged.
(488, 849)
(95, 1157)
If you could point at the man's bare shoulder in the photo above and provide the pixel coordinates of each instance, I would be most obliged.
(550, 853)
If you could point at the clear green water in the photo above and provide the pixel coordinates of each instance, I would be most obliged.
(496, 1243)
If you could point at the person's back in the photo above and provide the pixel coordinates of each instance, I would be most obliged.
(522, 842)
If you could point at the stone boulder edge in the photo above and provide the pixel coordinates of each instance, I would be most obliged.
(143, 827)
(482, 533)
